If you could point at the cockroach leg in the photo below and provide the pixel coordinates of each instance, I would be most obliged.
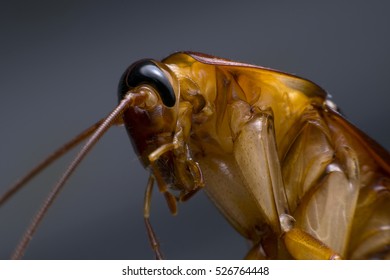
(256, 144)
(153, 240)
(172, 202)
(256, 154)
(256, 253)
(302, 245)
(148, 197)
(319, 215)
(152, 236)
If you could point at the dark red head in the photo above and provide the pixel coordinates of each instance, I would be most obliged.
(152, 123)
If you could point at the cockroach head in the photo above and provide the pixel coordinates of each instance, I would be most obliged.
(151, 123)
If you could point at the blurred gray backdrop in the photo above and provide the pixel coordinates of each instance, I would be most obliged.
(60, 62)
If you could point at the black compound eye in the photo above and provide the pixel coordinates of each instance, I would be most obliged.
(147, 72)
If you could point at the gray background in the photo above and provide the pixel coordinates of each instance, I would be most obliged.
(60, 62)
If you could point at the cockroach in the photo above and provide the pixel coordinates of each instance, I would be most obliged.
(270, 149)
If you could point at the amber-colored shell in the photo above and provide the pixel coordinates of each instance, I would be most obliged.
(269, 144)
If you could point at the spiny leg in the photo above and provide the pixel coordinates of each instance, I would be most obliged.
(184, 165)
(152, 236)
(322, 183)
(302, 245)
(257, 156)
(370, 238)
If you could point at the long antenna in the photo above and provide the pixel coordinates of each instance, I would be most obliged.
(47, 161)
(128, 100)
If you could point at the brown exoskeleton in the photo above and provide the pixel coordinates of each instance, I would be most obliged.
(272, 152)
